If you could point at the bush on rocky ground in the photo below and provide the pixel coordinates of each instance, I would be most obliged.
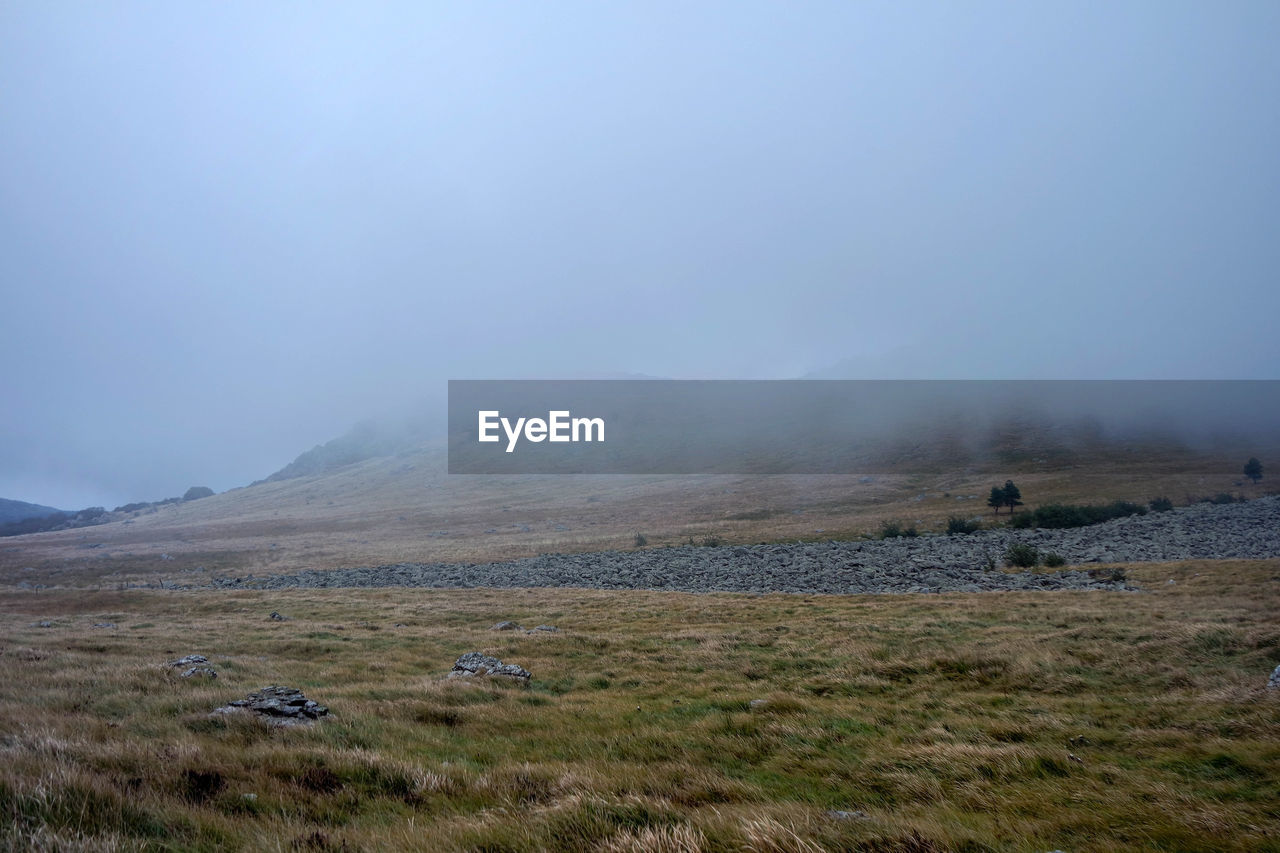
(1022, 555)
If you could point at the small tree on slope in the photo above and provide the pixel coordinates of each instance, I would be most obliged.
(1012, 495)
(997, 499)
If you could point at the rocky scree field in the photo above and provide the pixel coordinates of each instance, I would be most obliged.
(1247, 530)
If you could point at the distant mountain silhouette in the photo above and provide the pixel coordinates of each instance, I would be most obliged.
(20, 510)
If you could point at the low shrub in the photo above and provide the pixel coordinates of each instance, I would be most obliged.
(1022, 555)
(957, 526)
(1161, 504)
(1060, 516)
(1054, 560)
(895, 530)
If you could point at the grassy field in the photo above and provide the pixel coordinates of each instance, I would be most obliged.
(1000, 721)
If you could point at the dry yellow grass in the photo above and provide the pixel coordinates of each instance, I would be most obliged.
(948, 722)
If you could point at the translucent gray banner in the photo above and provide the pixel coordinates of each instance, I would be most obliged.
(835, 426)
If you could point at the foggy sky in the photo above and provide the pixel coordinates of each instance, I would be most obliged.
(230, 231)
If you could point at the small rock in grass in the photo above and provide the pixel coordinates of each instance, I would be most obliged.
(1273, 683)
(200, 672)
(276, 617)
(285, 705)
(506, 626)
(475, 663)
(548, 628)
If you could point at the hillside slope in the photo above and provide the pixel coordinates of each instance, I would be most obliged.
(11, 510)
(404, 507)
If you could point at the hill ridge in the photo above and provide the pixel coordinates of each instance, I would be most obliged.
(13, 510)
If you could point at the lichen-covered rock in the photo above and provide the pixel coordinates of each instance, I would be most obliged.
(1273, 683)
(284, 704)
(189, 660)
(506, 626)
(475, 663)
(200, 672)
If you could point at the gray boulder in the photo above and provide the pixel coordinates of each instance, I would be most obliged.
(475, 663)
(196, 666)
(506, 626)
(1273, 683)
(283, 704)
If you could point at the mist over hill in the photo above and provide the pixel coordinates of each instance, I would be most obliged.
(826, 427)
(370, 439)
